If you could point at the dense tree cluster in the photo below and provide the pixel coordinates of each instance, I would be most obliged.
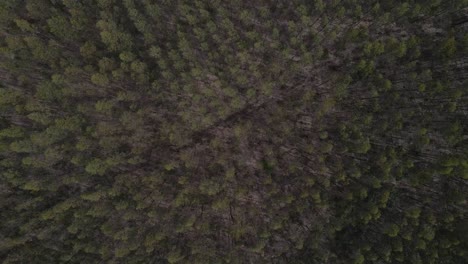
(319, 131)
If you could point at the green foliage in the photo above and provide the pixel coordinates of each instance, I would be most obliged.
(413, 212)
(100, 79)
(60, 26)
(88, 50)
(448, 48)
(392, 230)
(175, 256)
(96, 196)
(209, 187)
(96, 166)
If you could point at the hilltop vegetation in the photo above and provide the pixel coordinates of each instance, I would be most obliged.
(144, 131)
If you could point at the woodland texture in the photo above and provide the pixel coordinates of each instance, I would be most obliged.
(209, 131)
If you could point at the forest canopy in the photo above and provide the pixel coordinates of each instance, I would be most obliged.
(290, 131)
